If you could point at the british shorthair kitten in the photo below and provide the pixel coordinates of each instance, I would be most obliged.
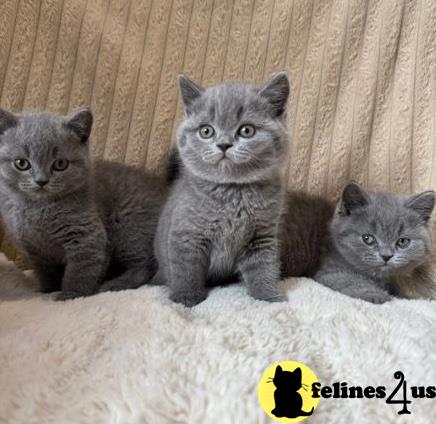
(221, 218)
(379, 245)
(83, 227)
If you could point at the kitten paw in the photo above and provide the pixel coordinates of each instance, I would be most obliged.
(67, 295)
(112, 285)
(157, 280)
(188, 299)
(268, 295)
(378, 298)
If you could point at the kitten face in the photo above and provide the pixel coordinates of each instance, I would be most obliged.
(383, 234)
(43, 155)
(233, 132)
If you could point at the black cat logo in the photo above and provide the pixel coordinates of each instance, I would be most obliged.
(285, 392)
(288, 402)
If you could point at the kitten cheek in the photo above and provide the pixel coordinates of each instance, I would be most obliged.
(211, 157)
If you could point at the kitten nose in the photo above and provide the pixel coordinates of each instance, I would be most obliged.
(386, 257)
(41, 183)
(223, 146)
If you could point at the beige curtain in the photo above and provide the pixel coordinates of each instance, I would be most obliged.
(363, 76)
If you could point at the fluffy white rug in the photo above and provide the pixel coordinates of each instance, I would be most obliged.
(135, 357)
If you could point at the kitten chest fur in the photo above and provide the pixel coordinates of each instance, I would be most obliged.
(228, 216)
(38, 227)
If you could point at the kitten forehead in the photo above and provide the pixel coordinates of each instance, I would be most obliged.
(226, 104)
(38, 128)
(385, 216)
(40, 136)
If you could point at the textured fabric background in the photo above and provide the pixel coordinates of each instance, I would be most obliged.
(363, 76)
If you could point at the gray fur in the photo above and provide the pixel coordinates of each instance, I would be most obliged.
(303, 231)
(222, 215)
(87, 223)
(357, 269)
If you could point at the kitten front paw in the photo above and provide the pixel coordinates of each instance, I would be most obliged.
(188, 298)
(67, 295)
(268, 295)
(113, 285)
(377, 298)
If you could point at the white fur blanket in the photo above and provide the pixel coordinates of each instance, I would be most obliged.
(135, 357)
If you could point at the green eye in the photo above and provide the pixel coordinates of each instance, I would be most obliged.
(246, 131)
(368, 239)
(60, 164)
(206, 131)
(403, 242)
(22, 164)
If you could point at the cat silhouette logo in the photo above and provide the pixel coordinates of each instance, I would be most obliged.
(285, 392)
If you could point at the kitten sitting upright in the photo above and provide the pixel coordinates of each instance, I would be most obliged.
(78, 224)
(376, 240)
(222, 215)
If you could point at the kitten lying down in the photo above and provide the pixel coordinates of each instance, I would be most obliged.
(83, 227)
(379, 246)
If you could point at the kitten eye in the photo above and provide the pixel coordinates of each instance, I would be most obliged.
(403, 242)
(246, 131)
(22, 164)
(368, 239)
(206, 131)
(60, 164)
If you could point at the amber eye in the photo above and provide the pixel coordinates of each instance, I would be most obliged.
(22, 164)
(206, 131)
(368, 239)
(403, 242)
(247, 131)
(60, 164)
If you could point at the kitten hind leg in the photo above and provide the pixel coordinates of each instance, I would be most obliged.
(48, 275)
(135, 276)
(158, 279)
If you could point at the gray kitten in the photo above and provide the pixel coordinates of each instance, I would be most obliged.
(375, 240)
(303, 226)
(78, 224)
(222, 215)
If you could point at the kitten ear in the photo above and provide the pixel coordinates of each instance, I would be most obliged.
(7, 120)
(189, 91)
(81, 123)
(353, 196)
(276, 91)
(422, 203)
